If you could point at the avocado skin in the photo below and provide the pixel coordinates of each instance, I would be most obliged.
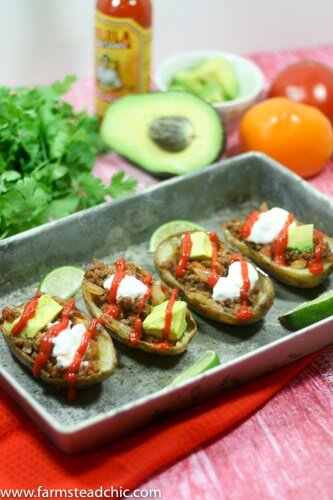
(162, 172)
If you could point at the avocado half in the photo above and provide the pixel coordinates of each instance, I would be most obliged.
(164, 132)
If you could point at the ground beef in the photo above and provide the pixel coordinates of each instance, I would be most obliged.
(10, 314)
(234, 304)
(98, 272)
(31, 347)
(198, 272)
(235, 227)
(292, 255)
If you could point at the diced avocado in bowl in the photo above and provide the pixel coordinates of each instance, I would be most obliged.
(164, 132)
(229, 82)
(214, 80)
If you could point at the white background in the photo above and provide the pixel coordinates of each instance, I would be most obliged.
(42, 40)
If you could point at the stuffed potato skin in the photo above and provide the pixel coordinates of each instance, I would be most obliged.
(107, 359)
(165, 260)
(300, 278)
(121, 331)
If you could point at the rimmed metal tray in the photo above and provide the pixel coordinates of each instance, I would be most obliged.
(138, 393)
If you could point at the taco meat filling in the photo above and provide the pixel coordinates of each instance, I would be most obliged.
(294, 258)
(31, 347)
(197, 274)
(99, 271)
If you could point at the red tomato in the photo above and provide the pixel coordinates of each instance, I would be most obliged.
(307, 82)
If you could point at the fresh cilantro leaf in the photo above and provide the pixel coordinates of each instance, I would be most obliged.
(89, 189)
(64, 206)
(63, 87)
(47, 153)
(120, 187)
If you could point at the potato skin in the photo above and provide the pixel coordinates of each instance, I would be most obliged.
(107, 359)
(117, 330)
(301, 278)
(207, 307)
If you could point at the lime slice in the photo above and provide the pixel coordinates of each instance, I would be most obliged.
(170, 228)
(309, 312)
(63, 281)
(208, 361)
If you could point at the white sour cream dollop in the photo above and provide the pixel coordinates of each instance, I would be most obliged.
(229, 287)
(67, 343)
(129, 287)
(269, 225)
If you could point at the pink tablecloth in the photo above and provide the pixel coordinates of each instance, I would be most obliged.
(285, 450)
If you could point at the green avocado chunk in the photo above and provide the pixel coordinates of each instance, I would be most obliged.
(154, 323)
(202, 247)
(164, 132)
(47, 310)
(213, 80)
(218, 69)
(188, 81)
(212, 92)
(301, 238)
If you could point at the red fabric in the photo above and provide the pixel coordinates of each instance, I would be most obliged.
(28, 459)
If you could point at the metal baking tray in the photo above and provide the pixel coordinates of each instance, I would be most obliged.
(138, 393)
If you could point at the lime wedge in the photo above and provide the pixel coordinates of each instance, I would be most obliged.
(208, 361)
(170, 228)
(309, 312)
(63, 281)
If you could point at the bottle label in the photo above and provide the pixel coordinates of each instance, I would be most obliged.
(122, 59)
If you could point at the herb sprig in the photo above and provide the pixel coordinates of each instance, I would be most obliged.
(47, 153)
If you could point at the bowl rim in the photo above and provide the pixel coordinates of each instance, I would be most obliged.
(259, 87)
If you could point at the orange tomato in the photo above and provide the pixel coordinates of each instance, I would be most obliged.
(298, 136)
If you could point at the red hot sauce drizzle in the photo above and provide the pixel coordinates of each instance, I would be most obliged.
(244, 312)
(168, 319)
(112, 309)
(279, 245)
(315, 266)
(185, 252)
(29, 312)
(136, 334)
(47, 341)
(215, 267)
(249, 223)
(72, 369)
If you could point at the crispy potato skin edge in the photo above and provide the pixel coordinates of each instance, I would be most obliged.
(142, 345)
(291, 277)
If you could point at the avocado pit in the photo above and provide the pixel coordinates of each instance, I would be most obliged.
(172, 133)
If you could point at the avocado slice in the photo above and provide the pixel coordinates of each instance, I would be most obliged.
(188, 81)
(164, 132)
(212, 92)
(46, 311)
(154, 323)
(218, 69)
(202, 247)
(301, 238)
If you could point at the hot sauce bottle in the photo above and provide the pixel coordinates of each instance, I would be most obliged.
(122, 49)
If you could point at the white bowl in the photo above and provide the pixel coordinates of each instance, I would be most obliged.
(250, 79)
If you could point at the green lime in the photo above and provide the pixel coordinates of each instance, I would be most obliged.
(309, 312)
(63, 281)
(170, 228)
(208, 361)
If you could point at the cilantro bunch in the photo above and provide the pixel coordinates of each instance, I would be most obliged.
(47, 153)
